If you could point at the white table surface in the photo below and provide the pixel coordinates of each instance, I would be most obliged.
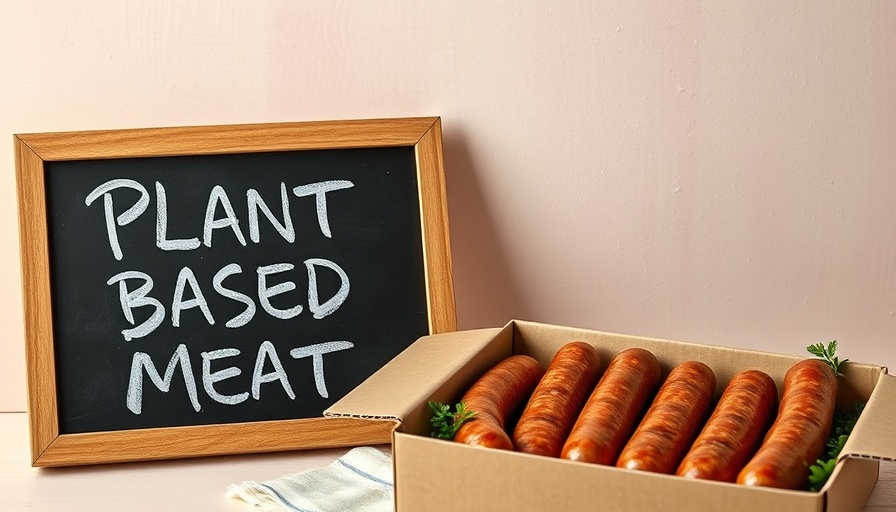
(195, 485)
(188, 484)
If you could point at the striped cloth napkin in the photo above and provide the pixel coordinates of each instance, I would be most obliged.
(360, 480)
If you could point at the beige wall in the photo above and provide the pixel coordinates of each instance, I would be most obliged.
(721, 172)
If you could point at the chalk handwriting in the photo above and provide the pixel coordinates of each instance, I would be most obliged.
(139, 297)
(129, 215)
(267, 351)
(184, 277)
(217, 200)
(319, 191)
(214, 198)
(142, 364)
(317, 360)
(256, 203)
(162, 242)
(274, 280)
(135, 299)
(218, 284)
(209, 377)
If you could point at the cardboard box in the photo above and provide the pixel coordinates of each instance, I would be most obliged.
(437, 475)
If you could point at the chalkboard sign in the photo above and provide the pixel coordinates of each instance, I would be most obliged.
(209, 290)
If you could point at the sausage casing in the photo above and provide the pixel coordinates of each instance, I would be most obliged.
(734, 430)
(557, 400)
(672, 421)
(611, 411)
(797, 437)
(493, 397)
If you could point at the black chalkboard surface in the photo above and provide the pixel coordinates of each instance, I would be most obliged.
(190, 283)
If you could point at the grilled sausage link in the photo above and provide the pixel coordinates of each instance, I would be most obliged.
(494, 397)
(611, 411)
(734, 430)
(672, 421)
(557, 400)
(798, 435)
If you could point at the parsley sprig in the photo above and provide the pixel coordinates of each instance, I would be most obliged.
(827, 353)
(823, 468)
(446, 423)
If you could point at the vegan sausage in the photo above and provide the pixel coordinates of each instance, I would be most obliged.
(798, 435)
(494, 397)
(672, 421)
(557, 400)
(734, 430)
(611, 411)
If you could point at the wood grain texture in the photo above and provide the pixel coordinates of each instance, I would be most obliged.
(36, 297)
(48, 447)
(222, 139)
(437, 243)
(883, 498)
(199, 441)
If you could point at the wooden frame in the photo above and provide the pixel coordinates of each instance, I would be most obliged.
(32, 151)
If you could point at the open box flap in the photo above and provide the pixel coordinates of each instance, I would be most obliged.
(874, 436)
(412, 377)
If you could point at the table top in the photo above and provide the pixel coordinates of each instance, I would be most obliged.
(174, 485)
(188, 484)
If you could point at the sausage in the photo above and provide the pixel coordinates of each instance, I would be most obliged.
(798, 435)
(672, 421)
(734, 430)
(501, 390)
(557, 400)
(609, 415)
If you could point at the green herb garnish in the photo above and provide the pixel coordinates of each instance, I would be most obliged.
(820, 472)
(844, 422)
(827, 353)
(446, 423)
(843, 425)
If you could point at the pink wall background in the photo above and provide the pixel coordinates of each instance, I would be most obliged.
(717, 172)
